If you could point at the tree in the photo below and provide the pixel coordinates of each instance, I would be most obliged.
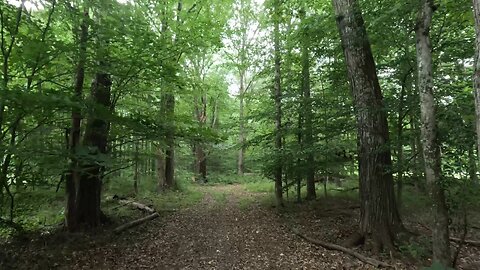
(431, 149)
(79, 211)
(243, 34)
(379, 217)
(307, 109)
(278, 101)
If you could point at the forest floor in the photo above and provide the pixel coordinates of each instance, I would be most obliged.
(230, 228)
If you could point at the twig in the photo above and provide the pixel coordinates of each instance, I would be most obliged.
(331, 246)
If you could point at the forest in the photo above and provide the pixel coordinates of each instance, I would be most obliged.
(240, 134)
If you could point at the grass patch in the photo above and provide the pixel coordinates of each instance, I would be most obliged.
(36, 209)
(260, 187)
(219, 197)
(183, 196)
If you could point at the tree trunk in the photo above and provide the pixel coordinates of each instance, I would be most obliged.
(199, 151)
(476, 77)
(160, 158)
(278, 105)
(308, 115)
(201, 163)
(242, 137)
(135, 169)
(170, 141)
(89, 187)
(400, 157)
(73, 213)
(431, 149)
(379, 218)
(170, 115)
(472, 165)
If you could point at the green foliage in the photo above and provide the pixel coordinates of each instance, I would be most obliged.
(220, 197)
(260, 186)
(415, 250)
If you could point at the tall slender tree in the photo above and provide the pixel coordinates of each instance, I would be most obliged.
(431, 148)
(278, 102)
(307, 108)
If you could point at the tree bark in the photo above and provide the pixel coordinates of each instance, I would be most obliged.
(379, 218)
(278, 105)
(476, 77)
(431, 149)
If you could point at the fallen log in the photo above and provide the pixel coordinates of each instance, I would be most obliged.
(466, 241)
(331, 246)
(137, 205)
(136, 222)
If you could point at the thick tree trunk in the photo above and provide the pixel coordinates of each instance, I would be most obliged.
(379, 218)
(431, 149)
(476, 77)
(96, 137)
(73, 191)
(278, 105)
(308, 115)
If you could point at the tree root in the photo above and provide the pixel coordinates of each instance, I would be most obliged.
(331, 246)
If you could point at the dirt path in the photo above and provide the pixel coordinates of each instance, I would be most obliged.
(218, 233)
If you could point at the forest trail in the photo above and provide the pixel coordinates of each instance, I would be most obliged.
(220, 232)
